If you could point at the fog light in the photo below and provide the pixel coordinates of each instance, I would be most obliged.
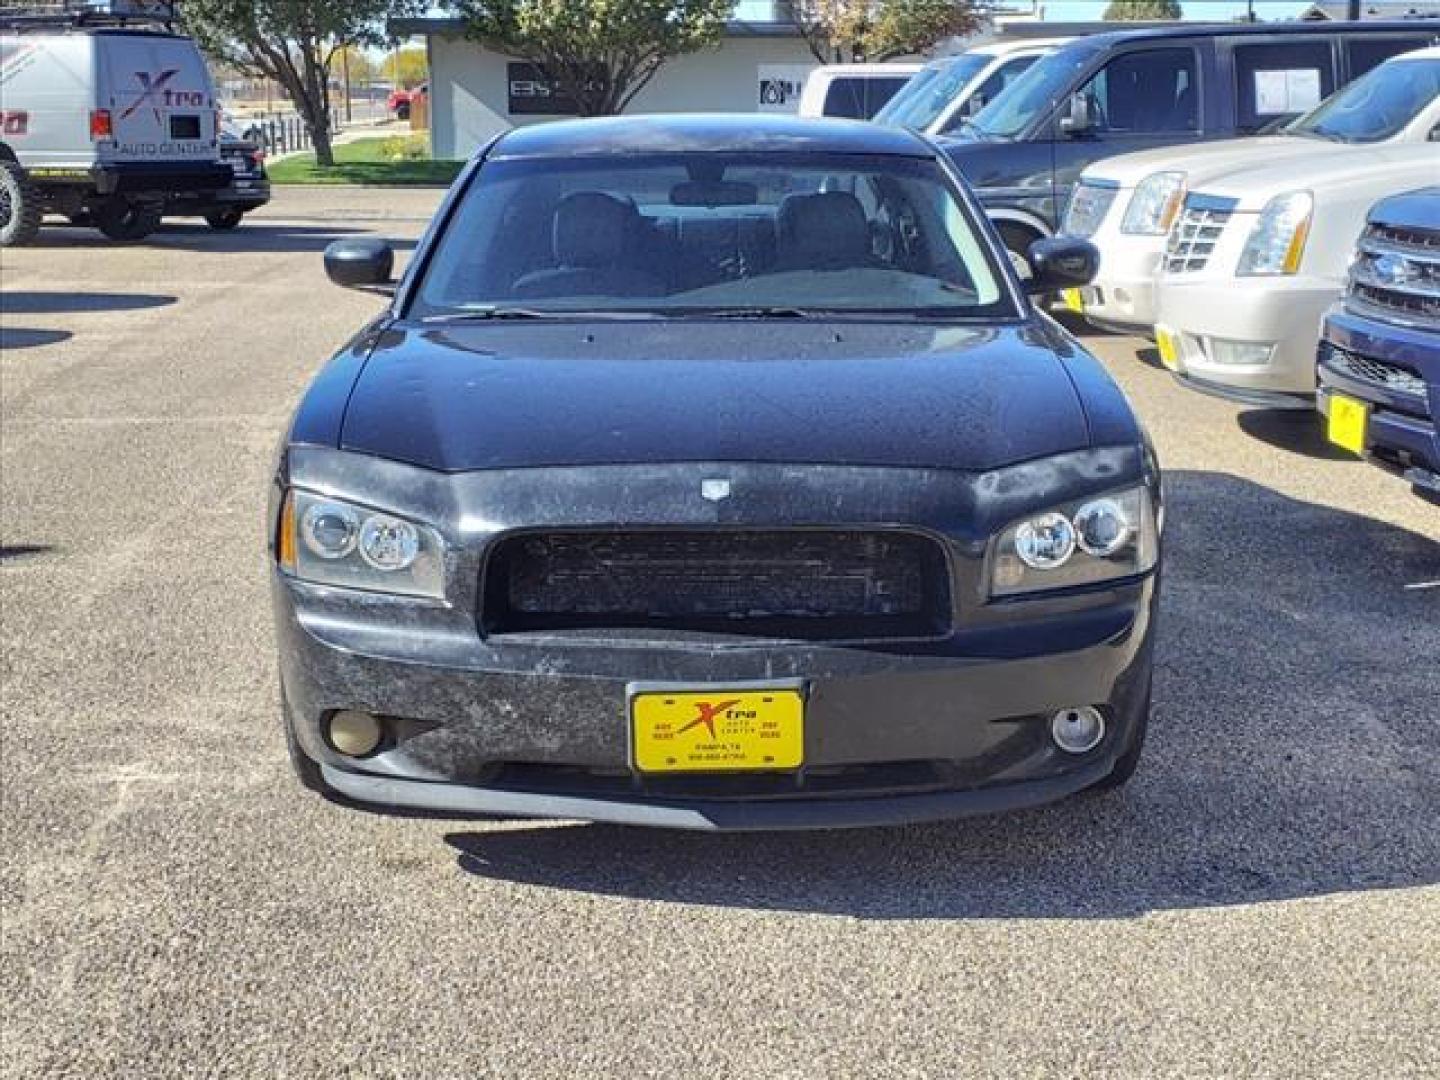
(1240, 353)
(354, 734)
(1078, 730)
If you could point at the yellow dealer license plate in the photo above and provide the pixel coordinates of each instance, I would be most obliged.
(1169, 348)
(717, 730)
(1074, 300)
(1346, 424)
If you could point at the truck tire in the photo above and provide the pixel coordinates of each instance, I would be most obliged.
(127, 221)
(224, 220)
(20, 207)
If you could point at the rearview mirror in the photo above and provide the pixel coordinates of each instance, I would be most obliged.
(1077, 120)
(1062, 262)
(360, 264)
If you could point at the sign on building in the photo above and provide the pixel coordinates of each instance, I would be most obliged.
(780, 86)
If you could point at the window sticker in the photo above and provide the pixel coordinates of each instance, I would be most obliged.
(1291, 91)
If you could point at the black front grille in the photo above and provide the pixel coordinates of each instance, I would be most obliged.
(1366, 369)
(801, 583)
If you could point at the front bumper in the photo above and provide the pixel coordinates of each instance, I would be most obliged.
(1281, 315)
(538, 723)
(1123, 295)
(1402, 432)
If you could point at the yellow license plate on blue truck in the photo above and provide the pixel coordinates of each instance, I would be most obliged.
(1346, 422)
(717, 730)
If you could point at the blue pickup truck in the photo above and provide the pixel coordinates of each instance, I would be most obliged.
(1379, 360)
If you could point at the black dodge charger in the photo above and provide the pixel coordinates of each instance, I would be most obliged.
(713, 472)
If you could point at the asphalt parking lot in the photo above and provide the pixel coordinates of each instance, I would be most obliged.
(1263, 899)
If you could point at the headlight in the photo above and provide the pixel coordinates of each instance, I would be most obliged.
(337, 543)
(1155, 204)
(1278, 240)
(1089, 203)
(1084, 543)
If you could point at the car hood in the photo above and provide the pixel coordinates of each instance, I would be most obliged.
(1377, 171)
(1199, 163)
(463, 396)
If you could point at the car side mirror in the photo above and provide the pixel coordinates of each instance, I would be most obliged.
(365, 263)
(1061, 262)
(1077, 119)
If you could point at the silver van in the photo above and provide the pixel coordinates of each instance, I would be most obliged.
(101, 119)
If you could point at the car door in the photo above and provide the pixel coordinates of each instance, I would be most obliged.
(1275, 79)
(1141, 98)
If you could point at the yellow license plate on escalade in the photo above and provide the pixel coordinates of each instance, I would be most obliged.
(1074, 300)
(1169, 347)
(717, 730)
(1346, 423)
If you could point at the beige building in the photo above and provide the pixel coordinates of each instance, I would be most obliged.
(476, 92)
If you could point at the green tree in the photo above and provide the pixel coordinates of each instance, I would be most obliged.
(1142, 10)
(407, 67)
(294, 43)
(600, 52)
(843, 31)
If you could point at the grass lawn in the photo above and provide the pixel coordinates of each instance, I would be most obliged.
(362, 162)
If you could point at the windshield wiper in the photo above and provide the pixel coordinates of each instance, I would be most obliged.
(775, 311)
(478, 313)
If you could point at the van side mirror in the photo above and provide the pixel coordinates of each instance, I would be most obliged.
(1077, 120)
(365, 263)
(1061, 262)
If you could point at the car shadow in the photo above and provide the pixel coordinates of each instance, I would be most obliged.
(10, 552)
(19, 337)
(55, 303)
(1293, 753)
(1299, 431)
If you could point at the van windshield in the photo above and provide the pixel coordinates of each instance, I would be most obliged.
(704, 233)
(1032, 95)
(927, 94)
(1377, 106)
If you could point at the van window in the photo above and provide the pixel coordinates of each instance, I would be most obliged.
(861, 98)
(1369, 51)
(1280, 79)
(1147, 90)
(996, 84)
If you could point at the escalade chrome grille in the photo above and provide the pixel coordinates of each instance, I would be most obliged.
(1396, 276)
(800, 583)
(1193, 237)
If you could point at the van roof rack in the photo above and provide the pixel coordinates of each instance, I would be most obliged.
(68, 14)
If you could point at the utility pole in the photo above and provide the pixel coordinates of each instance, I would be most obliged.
(345, 74)
(1352, 10)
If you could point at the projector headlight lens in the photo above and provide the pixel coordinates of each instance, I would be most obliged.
(343, 544)
(1098, 540)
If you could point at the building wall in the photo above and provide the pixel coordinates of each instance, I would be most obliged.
(470, 95)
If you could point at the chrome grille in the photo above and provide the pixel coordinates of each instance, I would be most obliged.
(1377, 372)
(1089, 203)
(1193, 238)
(1396, 276)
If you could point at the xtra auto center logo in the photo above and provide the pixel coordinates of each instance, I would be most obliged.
(156, 92)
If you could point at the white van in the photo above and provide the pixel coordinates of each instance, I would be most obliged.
(101, 118)
(946, 92)
(853, 91)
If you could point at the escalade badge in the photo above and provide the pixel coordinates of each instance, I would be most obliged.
(714, 490)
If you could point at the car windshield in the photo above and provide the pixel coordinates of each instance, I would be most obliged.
(773, 234)
(1375, 107)
(927, 94)
(1033, 94)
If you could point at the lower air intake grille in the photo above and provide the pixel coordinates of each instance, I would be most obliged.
(807, 584)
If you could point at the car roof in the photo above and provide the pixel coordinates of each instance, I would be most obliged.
(1272, 29)
(1013, 45)
(870, 71)
(1430, 52)
(681, 133)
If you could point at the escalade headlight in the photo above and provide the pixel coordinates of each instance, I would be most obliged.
(1101, 539)
(1277, 241)
(331, 542)
(1155, 204)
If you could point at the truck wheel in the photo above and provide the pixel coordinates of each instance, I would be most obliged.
(20, 208)
(224, 220)
(126, 221)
